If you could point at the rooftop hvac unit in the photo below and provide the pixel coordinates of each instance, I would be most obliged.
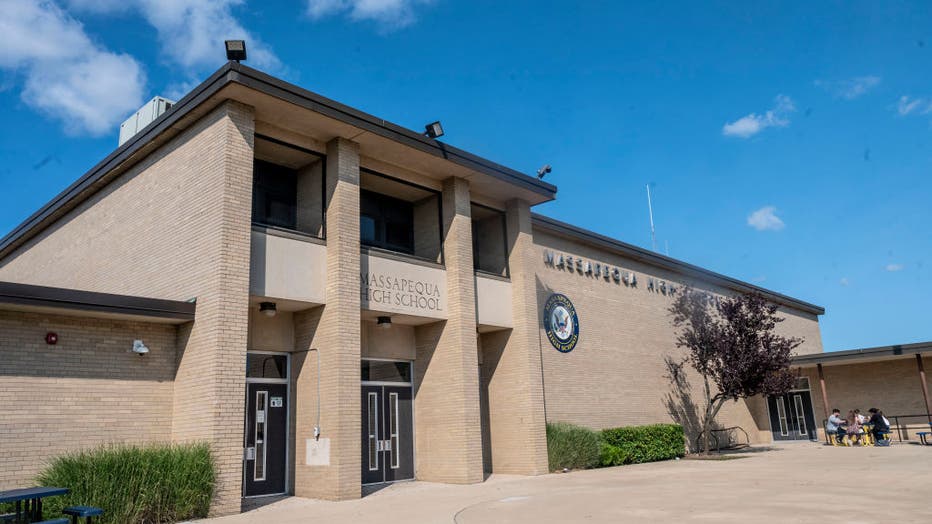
(145, 116)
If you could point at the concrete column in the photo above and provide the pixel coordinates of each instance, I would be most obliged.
(824, 392)
(513, 362)
(448, 432)
(334, 332)
(210, 381)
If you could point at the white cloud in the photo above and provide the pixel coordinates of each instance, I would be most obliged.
(908, 105)
(893, 267)
(392, 14)
(765, 219)
(851, 88)
(191, 32)
(750, 125)
(66, 75)
(844, 281)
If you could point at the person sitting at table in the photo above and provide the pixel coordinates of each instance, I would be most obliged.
(853, 429)
(881, 427)
(861, 418)
(835, 425)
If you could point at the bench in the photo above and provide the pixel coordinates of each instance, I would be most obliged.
(87, 512)
(924, 436)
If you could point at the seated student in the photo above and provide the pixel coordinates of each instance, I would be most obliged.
(835, 425)
(853, 429)
(861, 418)
(881, 427)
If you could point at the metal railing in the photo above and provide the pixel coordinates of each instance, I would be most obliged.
(901, 429)
(725, 438)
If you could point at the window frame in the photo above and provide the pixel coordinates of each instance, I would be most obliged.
(475, 258)
(434, 192)
(323, 186)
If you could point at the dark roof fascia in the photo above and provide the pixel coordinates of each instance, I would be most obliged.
(665, 262)
(231, 73)
(72, 299)
(270, 85)
(899, 350)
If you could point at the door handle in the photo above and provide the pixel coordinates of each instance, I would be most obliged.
(388, 445)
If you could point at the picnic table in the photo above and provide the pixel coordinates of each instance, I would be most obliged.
(28, 501)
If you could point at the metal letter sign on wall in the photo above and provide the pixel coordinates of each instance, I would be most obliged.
(561, 323)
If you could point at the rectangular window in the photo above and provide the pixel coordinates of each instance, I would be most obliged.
(399, 216)
(383, 371)
(800, 415)
(288, 187)
(259, 365)
(393, 429)
(373, 431)
(781, 414)
(489, 243)
(262, 398)
(274, 201)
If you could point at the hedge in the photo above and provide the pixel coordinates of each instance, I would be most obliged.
(638, 444)
(152, 484)
(575, 447)
(571, 447)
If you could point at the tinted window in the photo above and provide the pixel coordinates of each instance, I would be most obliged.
(266, 366)
(274, 200)
(386, 222)
(381, 371)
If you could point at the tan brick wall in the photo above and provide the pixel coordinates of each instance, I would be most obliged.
(616, 376)
(892, 386)
(511, 365)
(88, 390)
(334, 330)
(446, 389)
(174, 226)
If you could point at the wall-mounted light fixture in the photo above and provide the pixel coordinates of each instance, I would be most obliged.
(384, 322)
(236, 49)
(139, 348)
(434, 130)
(51, 338)
(268, 308)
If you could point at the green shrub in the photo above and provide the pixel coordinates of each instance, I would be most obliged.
(153, 484)
(637, 444)
(572, 447)
(610, 455)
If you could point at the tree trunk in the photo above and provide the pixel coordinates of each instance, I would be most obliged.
(712, 406)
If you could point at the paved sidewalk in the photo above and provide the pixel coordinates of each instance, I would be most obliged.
(798, 482)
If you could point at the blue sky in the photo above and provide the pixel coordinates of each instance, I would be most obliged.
(787, 146)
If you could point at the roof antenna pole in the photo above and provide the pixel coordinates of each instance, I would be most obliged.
(650, 211)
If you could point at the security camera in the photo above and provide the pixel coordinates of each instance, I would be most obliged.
(139, 348)
(543, 171)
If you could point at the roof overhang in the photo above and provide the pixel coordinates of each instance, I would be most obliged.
(304, 112)
(862, 356)
(72, 302)
(633, 252)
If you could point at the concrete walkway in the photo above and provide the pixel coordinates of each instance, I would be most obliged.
(799, 482)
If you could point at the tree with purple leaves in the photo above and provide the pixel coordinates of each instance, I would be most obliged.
(730, 342)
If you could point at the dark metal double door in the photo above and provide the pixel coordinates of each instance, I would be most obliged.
(791, 416)
(266, 439)
(387, 434)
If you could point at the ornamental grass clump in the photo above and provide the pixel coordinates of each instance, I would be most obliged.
(152, 484)
(571, 447)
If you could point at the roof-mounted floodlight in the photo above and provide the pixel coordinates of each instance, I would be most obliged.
(236, 49)
(434, 130)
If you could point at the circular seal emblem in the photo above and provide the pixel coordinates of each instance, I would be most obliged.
(561, 323)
